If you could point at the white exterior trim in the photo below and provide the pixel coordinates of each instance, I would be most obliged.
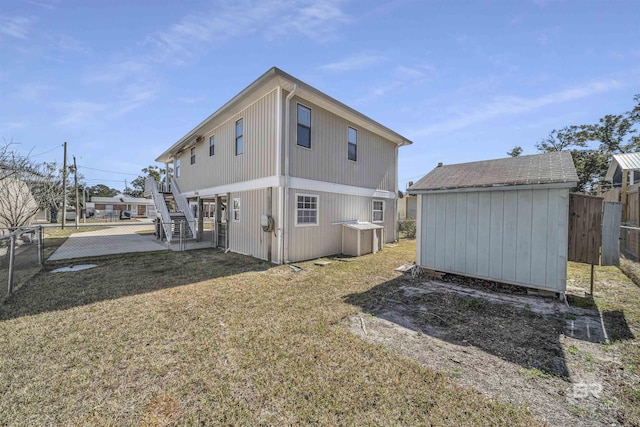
(254, 184)
(330, 187)
(418, 230)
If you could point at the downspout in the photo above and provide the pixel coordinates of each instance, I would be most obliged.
(280, 229)
(396, 224)
(287, 149)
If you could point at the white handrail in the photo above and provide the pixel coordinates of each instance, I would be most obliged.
(183, 206)
(161, 205)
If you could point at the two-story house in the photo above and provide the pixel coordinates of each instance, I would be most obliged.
(286, 167)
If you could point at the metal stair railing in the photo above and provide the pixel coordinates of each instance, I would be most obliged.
(161, 206)
(183, 206)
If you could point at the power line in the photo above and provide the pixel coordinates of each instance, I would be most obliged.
(102, 170)
(45, 152)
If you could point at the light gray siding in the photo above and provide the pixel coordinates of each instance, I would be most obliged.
(307, 242)
(327, 159)
(515, 236)
(258, 159)
(246, 236)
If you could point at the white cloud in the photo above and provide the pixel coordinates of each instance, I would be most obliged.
(135, 95)
(16, 26)
(356, 62)
(511, 105)
(78, 113)
(402, 77)
(67, 43)
(314, 19)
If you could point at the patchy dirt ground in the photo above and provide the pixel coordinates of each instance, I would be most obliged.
(539, 352)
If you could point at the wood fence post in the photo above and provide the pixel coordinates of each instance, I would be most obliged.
(12, 260)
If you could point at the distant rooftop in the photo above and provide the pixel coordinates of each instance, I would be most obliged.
(537, 169)
(626, 161)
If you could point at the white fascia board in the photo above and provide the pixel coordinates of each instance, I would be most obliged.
(330, 187)
(497, 188)
(254, 184)
(611, 170)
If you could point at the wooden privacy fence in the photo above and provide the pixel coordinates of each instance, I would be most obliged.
(585, 228)
(594, 230)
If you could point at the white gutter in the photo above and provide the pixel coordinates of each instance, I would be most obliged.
(279, 174)
(287, 141)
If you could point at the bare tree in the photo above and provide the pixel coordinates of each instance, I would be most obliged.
(26, 187)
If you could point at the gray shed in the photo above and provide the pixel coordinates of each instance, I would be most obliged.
(504, 220)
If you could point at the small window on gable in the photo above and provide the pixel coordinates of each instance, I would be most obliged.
(352, 147)
(236, 210)
(306, 209)
(304, 126)
(178, 168)
(239, 136)
(212, 145)
(193, 155)
(378, 211)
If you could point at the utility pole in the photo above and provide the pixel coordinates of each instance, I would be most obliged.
(75, 182)
(64, 186)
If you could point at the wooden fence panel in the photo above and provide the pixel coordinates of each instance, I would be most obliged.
(585, 228)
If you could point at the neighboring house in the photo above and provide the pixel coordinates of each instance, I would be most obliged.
(504, 220)
(289, 166)
(137, 206)
(407, 206)
(629, 162)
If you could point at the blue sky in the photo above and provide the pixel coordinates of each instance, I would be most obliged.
(465, 80)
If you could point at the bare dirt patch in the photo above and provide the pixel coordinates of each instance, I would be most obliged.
(538, 352)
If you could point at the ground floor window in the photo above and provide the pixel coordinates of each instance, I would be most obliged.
(306, 209)
(236, 210)
(378, 211)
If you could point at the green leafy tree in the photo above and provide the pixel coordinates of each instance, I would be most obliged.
(614, 134)
(101, 190)
(137, 185)
(515, 151)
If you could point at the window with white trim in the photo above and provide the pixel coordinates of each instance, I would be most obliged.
(236, 210)
(212, 145)
(352, 143)
(306, 209)
(304, 126)
(193, 155)
(378, 211)
(239, 136)
(178, 168)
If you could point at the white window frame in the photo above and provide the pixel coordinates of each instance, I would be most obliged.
(374, 210)
(235, 207)
(308, 224)
(192, 157)
(212, 144)
(355, 144)
(299, 124)
(241, 136)
(177, 167)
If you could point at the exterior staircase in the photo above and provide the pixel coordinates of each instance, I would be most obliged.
(173, 211)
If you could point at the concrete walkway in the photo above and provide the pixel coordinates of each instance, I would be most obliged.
(110, 241)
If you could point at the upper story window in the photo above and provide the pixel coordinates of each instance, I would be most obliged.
(178, 168)
(239, 136)
(352, 144)
(212, 145)
(306, 209)
(236, 210)
(378, 211)
(193, 155)
(304, 126)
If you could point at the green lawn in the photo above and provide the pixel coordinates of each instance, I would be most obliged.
(206, 338)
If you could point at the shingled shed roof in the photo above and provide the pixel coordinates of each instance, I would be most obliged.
(537, 169)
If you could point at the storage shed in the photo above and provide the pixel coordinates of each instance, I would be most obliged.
(504, 220)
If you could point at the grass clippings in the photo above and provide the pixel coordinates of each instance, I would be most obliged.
(207, 338)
